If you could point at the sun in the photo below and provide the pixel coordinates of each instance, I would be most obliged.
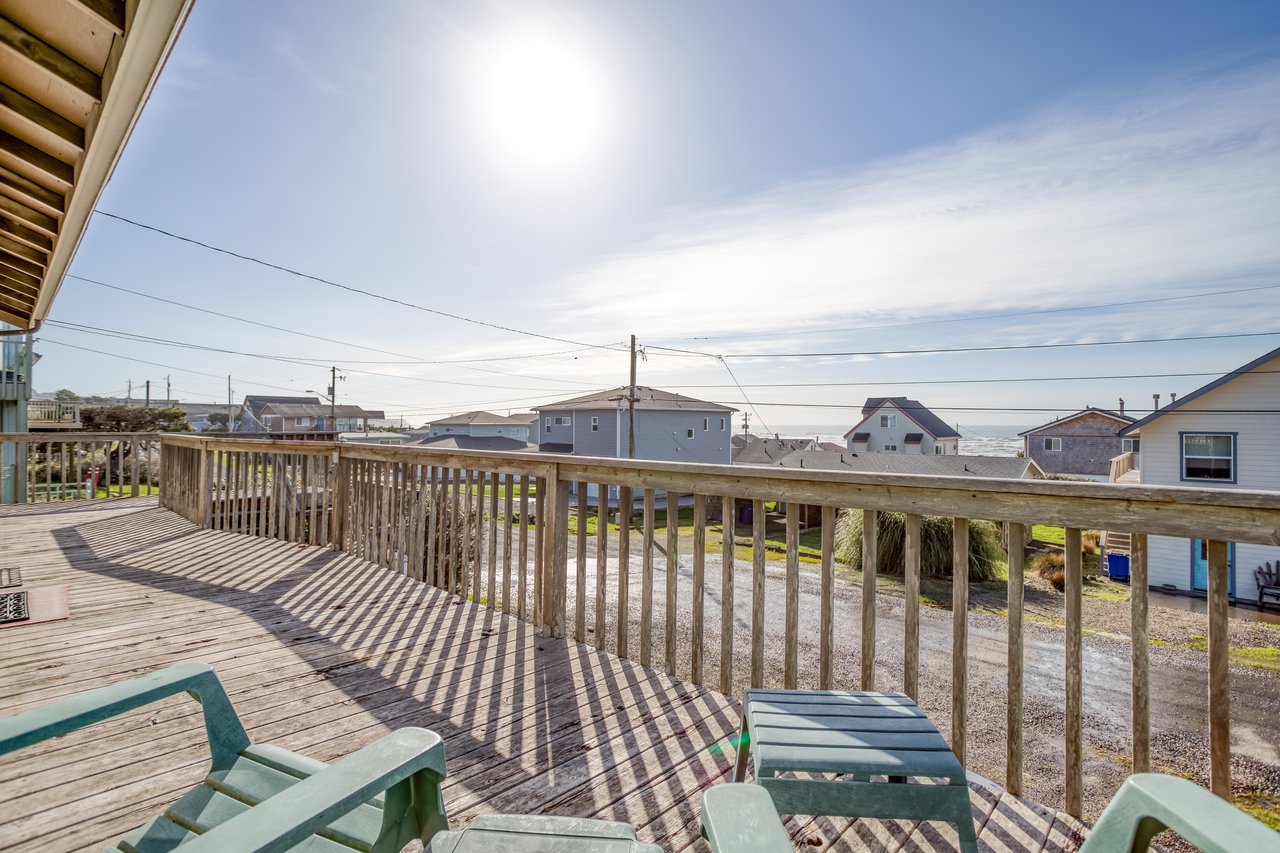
(543, 100)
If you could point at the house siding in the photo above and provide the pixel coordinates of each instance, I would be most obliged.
(1089, 443)
(661, 435)
(1257, 466)
(515, 431)
(558, 434)
(897, 434)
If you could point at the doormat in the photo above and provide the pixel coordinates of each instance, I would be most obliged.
(13, 607)
(43, 604)
(10, 577)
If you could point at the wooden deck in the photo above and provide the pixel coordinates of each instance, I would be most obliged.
(323, 653)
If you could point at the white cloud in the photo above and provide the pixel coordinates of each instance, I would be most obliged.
(1100, 198)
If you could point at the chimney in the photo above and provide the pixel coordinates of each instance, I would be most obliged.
(1173, 397)
(1122, 405)
(1155, 398)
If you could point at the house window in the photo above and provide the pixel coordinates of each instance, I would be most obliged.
(1209, 456)
(1129, 445)
(564, 420)
(706, 424)
(888, 421)
(722, 424)
(689, 433)
(301, 421)
(1054, 444)
(595, 424)
(937, 450)
(547, 423)
(892, 447)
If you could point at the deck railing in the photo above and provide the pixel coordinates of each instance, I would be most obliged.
(53, 414)
(82, 465)
(466, 521)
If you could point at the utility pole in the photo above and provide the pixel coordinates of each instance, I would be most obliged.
(128, 394)
(148, 394)
(168, 391)
(746, 423)
(631, 405)
(229, 412)
(333, 400)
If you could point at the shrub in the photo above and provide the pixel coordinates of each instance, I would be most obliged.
(986, 554)
(1090, 541)
(1051, 566)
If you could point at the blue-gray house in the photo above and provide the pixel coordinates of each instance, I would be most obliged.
(669, 427)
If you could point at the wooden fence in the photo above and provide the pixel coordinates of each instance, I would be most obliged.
(506, 529)
(83, 465)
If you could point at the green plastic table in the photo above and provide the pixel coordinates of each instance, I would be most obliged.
(499, 833)
(853, 736)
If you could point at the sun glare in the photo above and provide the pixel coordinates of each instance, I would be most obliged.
(543, 101)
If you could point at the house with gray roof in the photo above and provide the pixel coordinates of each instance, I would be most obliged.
(1082, 444)
(479, 424)
(299, 416)
(901, 425)
(767, 451)
(1001, 467)
(669, 427)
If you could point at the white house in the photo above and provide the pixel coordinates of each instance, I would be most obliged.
(901, 425)
(477, 424)
(1225, 435)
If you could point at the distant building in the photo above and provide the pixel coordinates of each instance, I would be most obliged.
(1003, 467)
(669, 427)
(768, 451)
(299, 416)
(1082, 444)
(901, 425)
(477, 442)
(477, 424)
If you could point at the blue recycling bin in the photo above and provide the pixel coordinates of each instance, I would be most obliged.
(1118, 567)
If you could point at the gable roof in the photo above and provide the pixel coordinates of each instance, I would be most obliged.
(1202, 390)
(652, 399)
(913, 409)
(766, 451)
(483, 419)
(477, 442)
(1003, 467)
(1087, 410)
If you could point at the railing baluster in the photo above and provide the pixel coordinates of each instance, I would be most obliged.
(508, 522)
(959, 635)
(541, 613)
(646, 582)
(624, 570)
(1074, 595)
(757, 593)
(522, 582)
(493, 540)
(1140, 651)
(556, 561)
(791, 639)
(602, 562)
(1013, 721)
(870, 566)
(580, 555)
(911, 607)
(472, 527)
(673, 566)
(456, 569)
(432, 568)
(827, 631)
(728, 523)
(1219, 671)
(699, 581)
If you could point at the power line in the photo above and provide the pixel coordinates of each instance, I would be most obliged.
(944, 350)
(896, 382)
(1041, 311)
(1196, 411)
(330, 283)
(741, 390)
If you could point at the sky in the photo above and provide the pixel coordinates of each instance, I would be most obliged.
(792, 206)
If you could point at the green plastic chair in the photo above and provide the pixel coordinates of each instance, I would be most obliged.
(1149, 803)
(741, 818)
(259, 797)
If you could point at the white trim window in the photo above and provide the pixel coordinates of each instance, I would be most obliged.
(722, 424)
(595, 423)
(689, 432)
(302, 421)
(1209, 456)
(892, 448)
(1129, 445)
(937, 450)
(706, 424)
(547, 422)
(888, 421)
(564, 420)
(1053, 444)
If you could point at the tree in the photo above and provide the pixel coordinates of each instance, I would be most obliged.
(134, 419)
(218, 420)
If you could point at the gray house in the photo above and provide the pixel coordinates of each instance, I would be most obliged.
(478, 424)
(901, 425)
(669, 427)
(1082, 444)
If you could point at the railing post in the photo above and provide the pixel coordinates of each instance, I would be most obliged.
(1013, 745)
(959, 635)
(1074, 731)
(204, 500)
(555, 553)
(1219, 672)
(1140, 650)
(870, 564)
(338, 511)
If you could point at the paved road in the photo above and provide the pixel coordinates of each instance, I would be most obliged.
(1178, 676)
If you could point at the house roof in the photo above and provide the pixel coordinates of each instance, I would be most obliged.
(77, 77)
(476, 442)
(1003, 467)
(1201, 391)
(555, 447)
(483, 419)
(859, 437)
(1087, 410)
(651, 399)
(765, 451)
(913, 409)
(319, 410)
(914, 438)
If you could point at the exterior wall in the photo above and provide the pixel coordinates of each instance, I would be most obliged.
(897, 434)
(660, 435)
(556, 434)
(1257, 466)
(1089, 443)
(516, 431)
(610, 439)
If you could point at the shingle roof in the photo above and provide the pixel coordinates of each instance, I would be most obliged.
(1087, 410)
(646, 398)
(765, 451)
(482, 419)
(477, 442)
(1004, 467)
(913, 409)
(1202, 390)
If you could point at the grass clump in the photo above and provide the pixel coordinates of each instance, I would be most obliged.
(986, 553)
(1052, 567)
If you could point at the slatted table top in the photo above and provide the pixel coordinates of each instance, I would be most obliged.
(858, 734)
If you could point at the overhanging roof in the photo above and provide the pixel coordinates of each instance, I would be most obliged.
(74, 76)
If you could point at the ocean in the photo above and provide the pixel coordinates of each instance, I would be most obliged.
(981, 440)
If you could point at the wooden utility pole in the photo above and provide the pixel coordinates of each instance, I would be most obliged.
(168, 390)
(333, 401)
(148, 405)
(631, 405)
(230, 415)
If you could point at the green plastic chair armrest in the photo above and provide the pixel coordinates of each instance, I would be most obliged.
(226, 736)
(741, 818)
(408, 755)
(1149, 803)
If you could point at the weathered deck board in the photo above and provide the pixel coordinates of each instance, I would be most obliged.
(323, 652)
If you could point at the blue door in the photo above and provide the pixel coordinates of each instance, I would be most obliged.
(1200, 566)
